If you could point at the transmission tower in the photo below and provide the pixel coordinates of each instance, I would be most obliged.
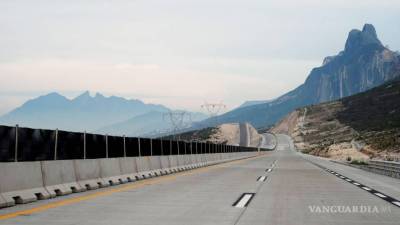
(213, 109)
(178, 119)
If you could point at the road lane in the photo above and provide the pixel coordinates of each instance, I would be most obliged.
(295, 187)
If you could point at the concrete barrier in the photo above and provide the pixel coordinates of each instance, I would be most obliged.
(165, 164)
(129, 169)
(110, 171)
(193, 159)
(144, 167)
(21, 182)
(181, 162)
(187, 161)
(59, 177)
(173, 162)
(3, 202)
(155, 165)
(87, 172)
(198, 160)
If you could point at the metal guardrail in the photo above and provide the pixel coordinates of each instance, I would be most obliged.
(387, 168)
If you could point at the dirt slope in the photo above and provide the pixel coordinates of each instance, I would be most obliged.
(362, 126)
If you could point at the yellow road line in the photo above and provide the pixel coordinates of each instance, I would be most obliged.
(107, 192)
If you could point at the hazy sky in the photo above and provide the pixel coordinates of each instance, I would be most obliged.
(176, 52)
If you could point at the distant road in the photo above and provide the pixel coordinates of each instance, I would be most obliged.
(287, 187)
(268, 141)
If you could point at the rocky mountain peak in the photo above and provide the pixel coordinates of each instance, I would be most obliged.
(357, 38)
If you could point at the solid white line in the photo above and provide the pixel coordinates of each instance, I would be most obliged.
(380, 195)
(396, 203)
(243, 201)
(365, 188)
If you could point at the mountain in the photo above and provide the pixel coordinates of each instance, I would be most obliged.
(148, 124)
(256, 102)
(81, 113)
(363, 64)
(359, 126)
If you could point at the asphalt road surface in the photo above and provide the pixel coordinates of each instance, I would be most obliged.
(280, 187)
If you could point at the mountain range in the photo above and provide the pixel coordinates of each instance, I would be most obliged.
(363, 64)
(112, 115)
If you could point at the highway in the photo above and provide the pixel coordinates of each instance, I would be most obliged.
(280, 187)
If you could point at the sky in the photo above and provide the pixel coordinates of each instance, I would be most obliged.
(178, 53)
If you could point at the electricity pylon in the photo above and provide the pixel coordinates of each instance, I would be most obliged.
(179, 120)
(213, 109)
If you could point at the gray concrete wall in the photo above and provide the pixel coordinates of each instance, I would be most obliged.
(22, 182)
(59, 177)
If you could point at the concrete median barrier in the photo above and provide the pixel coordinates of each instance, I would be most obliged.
(173, 161)
(110, 171)
(165, 164)
(193, 159)
(21, 182)
(155, 165)
(181, 162)
(59, 177)
(188, 161)
(3, 202)
(128, 168)
(87, 172)
(144, 167)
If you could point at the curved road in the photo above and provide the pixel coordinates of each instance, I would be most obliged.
(289, 187)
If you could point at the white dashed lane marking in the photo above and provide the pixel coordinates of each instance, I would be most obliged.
(396, 203)
(380, 195)
(367, 189)
(244, 200)
(262, 178)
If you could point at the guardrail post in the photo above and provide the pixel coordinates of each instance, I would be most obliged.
(106, 145)
(184, 144)
(162, 149)
(151, 147)
(16, 144)
(55, 144)
(170, 147)
(84, 144)
(140, 154)
(178, 147)
(124, 147)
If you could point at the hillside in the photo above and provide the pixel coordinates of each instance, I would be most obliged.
(363, 64)
(366, 125)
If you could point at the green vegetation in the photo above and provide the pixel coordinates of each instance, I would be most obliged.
(197, 135)
(358, 162)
